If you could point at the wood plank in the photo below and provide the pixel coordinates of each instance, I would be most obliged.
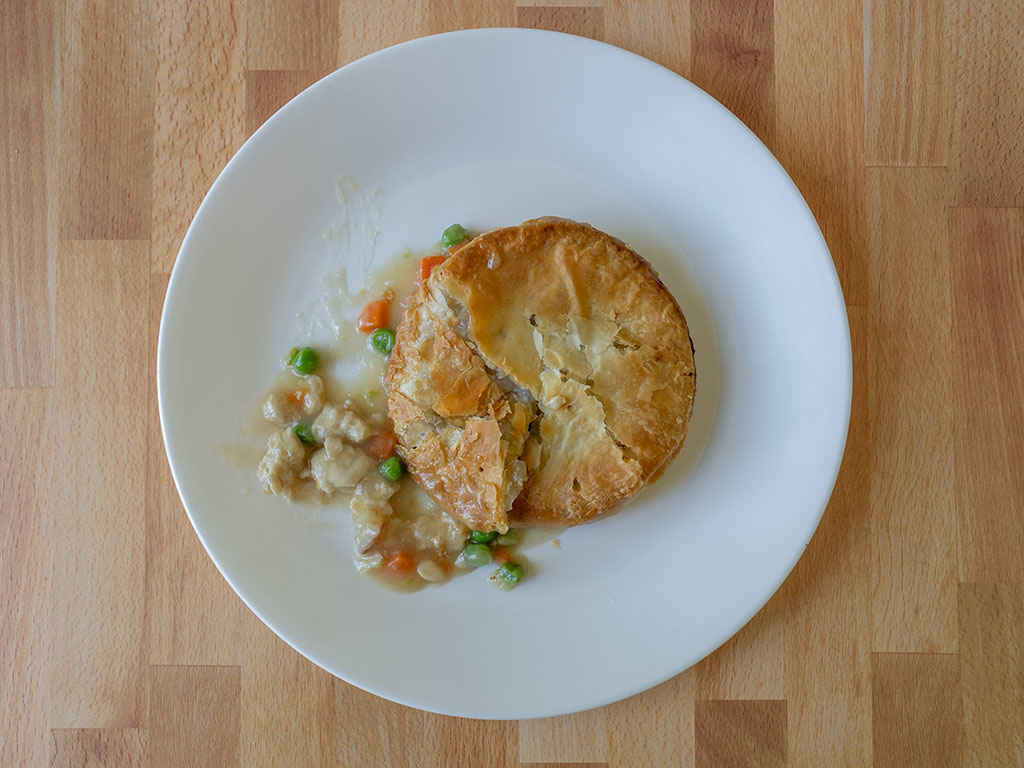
(369, 25)
(266, 91)
(199, 111)
(193, 616)
(654, 728)
(657, 31)
(559, 3)
(733, 59)
(741, 734)
(292, 34)
(910, 359)
(368, 730)
(287, 704)
(987, 271)
(819, 80)
(581, 737)
(99, 748)
(751, 665)
(194, 717)
(106, 121)
(828, 667)
(906, 82)
(446, 15)
(992, 673)
(28, 146)
(987, 155)
(94, 492)
(456, 742)
(24, 578)
(916, 710)
(586, 22)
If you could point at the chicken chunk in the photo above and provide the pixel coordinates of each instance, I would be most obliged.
(282, 409)
(371, 510)
(338, 422)
(440, 532)
(338, 466)
(283, 462)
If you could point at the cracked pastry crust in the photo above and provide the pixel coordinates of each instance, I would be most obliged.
(541, 375)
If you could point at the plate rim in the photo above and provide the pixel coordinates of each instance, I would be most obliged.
(846, 360)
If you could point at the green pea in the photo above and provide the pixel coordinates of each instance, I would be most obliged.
(391, 469)
(476, 555)
(291, 355)
(305, 361)
(482, 537)
(511, 572)
(383, 340)
(305, 433)
(454, 235)
(509, 539)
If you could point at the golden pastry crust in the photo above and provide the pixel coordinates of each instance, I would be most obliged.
(541, 375)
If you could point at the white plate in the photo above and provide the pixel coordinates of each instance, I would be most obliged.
(490, 127)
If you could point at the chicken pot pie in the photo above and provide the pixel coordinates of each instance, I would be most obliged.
(541, 375)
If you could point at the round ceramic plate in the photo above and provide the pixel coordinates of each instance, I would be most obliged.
(488, 128)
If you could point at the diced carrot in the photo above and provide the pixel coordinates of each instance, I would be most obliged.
(400, 562)
(297, 397)
(500, 555)
(427, 264)
(381, 446)
(374, 316)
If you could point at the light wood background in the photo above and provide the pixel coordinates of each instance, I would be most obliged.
(897, 641)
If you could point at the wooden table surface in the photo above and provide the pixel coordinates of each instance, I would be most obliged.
(897, 641)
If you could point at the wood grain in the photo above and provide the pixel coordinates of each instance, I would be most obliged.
(368, 25)
(819, 87)
(266, 91)
(655, 728)
(897, 641)
(916, 710)
(24, 579)
(828, 597)
(200, 66)
(284, 698)
(468, 743)
(570, 738)
(292, 34)
(107, 121)
(366, 730)
(448, 15)
(751, 665)
(586, 22)
(28, 144)
(987, 270)
(987, 154)
(741, 734)
(992, 671)
(99, 748)
(194, 717)
(97, 431)
(733, 59)
(910, 362)
(657, 31)
(906, 82)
